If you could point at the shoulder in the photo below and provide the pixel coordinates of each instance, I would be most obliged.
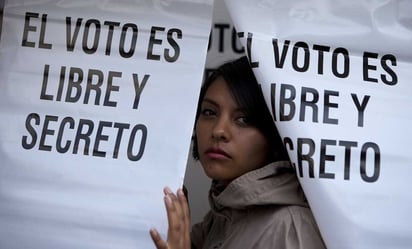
(199, 231)
(283, 213)
(296, 214)
(293, 227)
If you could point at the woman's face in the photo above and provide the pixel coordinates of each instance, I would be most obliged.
(228, 146)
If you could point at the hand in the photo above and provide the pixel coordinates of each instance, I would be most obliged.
(178, 234)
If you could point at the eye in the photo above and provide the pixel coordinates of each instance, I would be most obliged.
(207, 112)
(243, 120)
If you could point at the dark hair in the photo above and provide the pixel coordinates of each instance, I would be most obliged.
(248, 95)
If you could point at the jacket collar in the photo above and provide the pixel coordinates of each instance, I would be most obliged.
(273, 184)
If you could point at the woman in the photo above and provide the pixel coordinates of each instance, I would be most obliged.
(255, 198)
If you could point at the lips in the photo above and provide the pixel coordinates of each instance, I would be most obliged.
(216, 153)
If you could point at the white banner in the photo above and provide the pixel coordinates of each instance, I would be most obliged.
(336, 75)
(97, 102)
(223, 44)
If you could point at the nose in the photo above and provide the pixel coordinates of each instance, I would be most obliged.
(221, 129)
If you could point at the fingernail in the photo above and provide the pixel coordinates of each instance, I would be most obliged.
(168, 200)
(168, 191)
(154, 232)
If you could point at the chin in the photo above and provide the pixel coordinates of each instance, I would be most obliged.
(211, 171)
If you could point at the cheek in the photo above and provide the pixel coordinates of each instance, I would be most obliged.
(257, 149)
(200, 134)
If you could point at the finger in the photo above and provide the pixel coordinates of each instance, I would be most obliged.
(176, 237)
(157, 240)
(184, 206)
(174, 212)
(167, 191)
(186, 217)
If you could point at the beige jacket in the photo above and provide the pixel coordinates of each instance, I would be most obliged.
(262, 209)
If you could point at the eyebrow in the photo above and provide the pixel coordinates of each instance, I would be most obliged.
(212, 102)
